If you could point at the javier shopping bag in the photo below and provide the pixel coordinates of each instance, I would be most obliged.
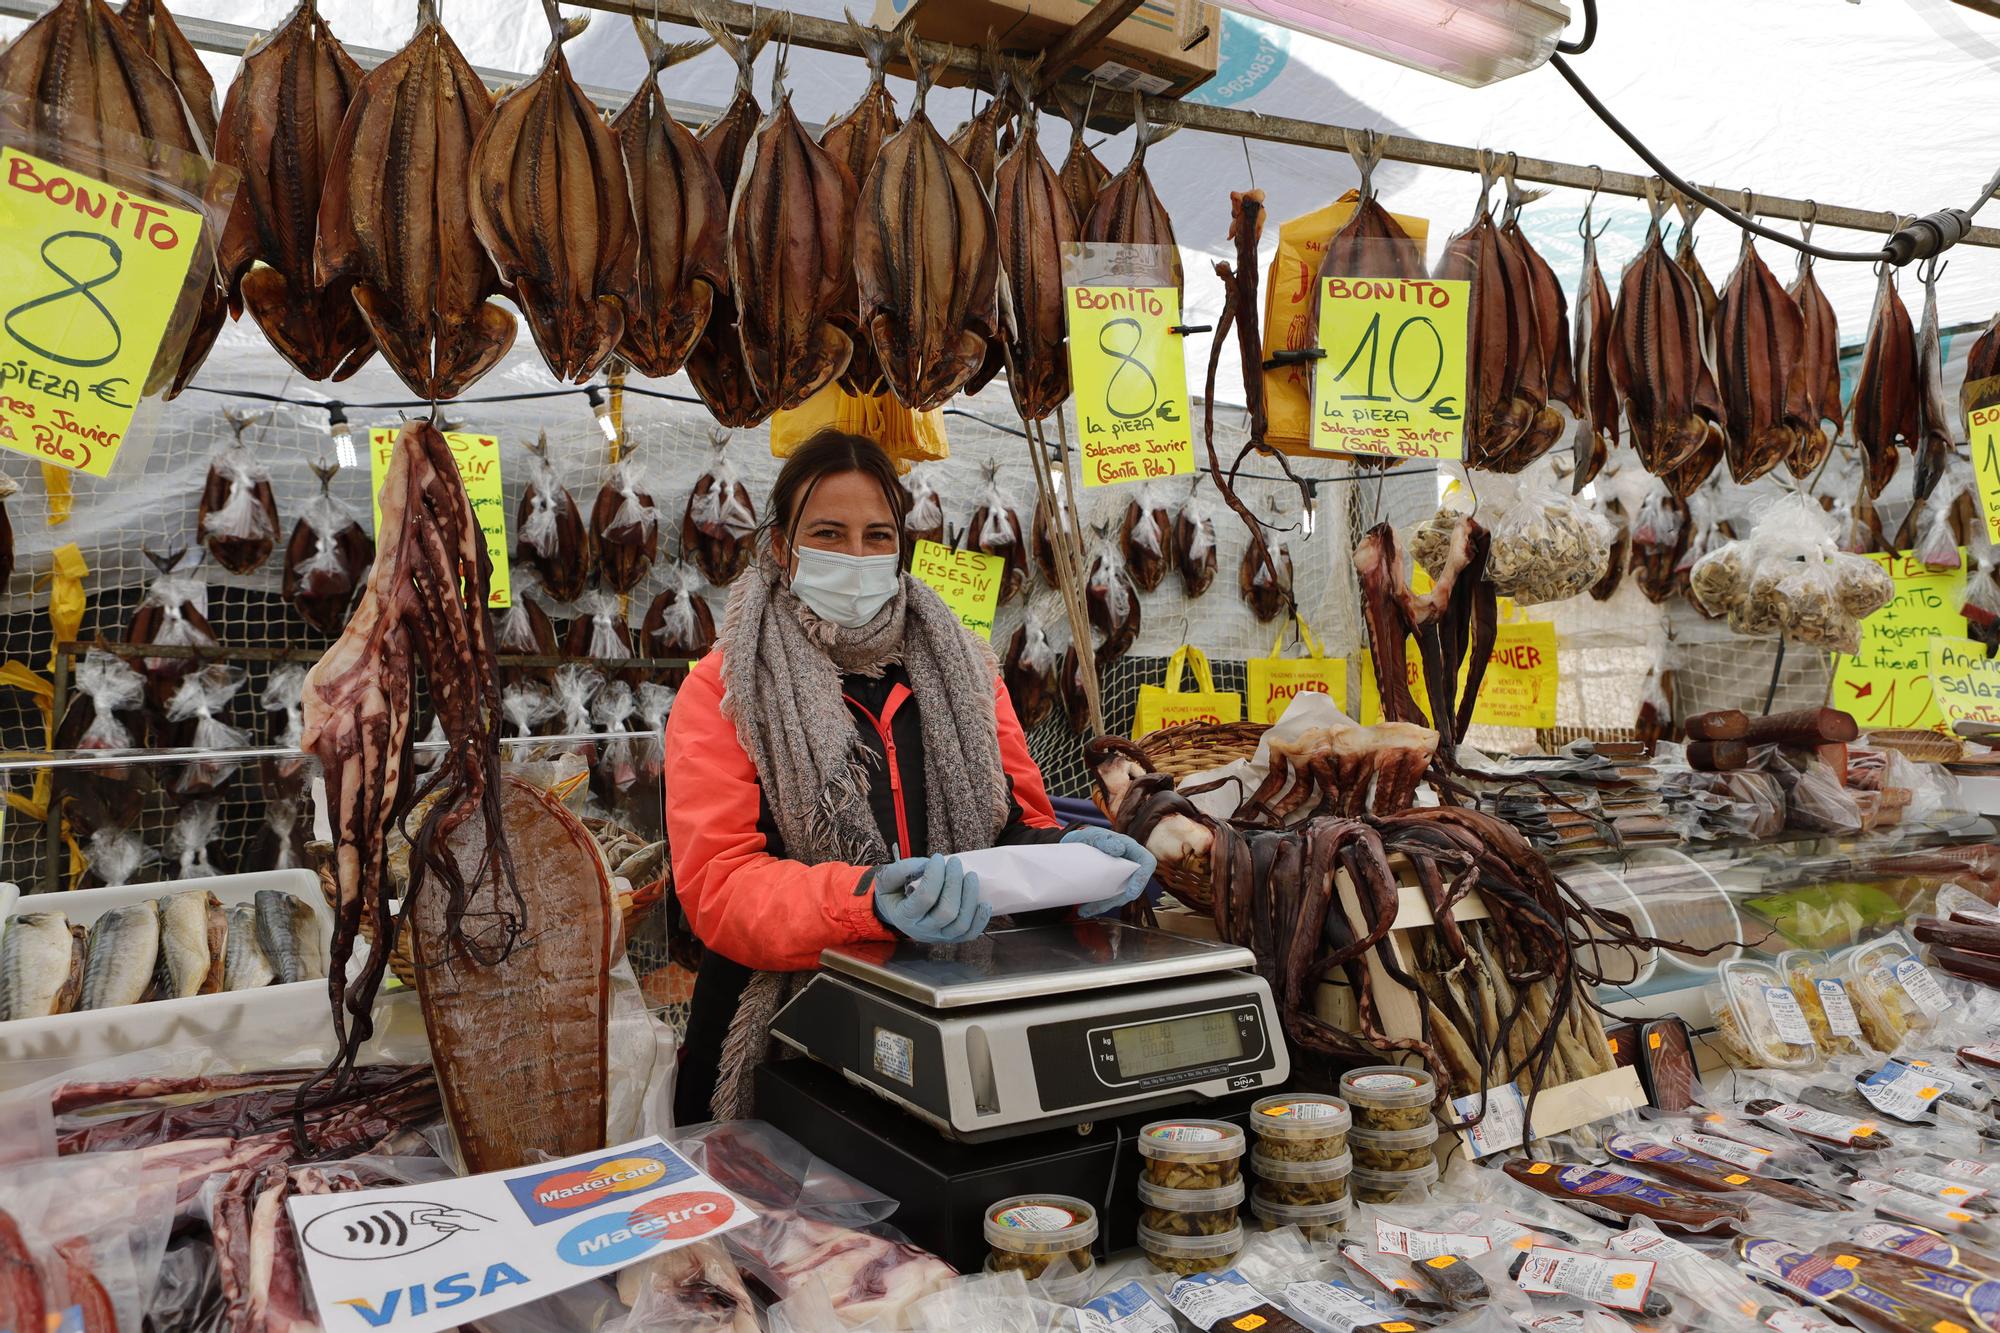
(1168, 705)
(1274, 680)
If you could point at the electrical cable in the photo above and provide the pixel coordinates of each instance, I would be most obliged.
(1582, 44)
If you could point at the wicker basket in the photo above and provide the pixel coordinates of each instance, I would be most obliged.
(1195, 748)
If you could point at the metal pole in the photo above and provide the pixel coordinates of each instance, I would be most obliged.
(17, 761)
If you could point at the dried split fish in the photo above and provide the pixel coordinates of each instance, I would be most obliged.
(1083, 176)
(1597, 417)
(677, 624)
(1937, 417)
(394, 218)
(624, 526)
(1502, 347)
(1111, 600)
(327, 557)
(1371, 243)
(1127, 211)
(680, 215)
(923, 521)
(996, 530)
(1029, 671)
(925, 256)
(1657, 358)
(977, 141)
(1885, 410)
(549, 536)
(1146, 537)
(551, 205)
(279, 122)
(1760, 339)
(855, 141)
(1033, 220)
(238, 520)
(720, 520)
(1194, 543)
(1819, 371)
(1553, 358)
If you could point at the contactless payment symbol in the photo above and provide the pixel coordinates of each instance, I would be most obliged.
(554, 1195)
(387, 1229)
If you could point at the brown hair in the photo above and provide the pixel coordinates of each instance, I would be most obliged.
(826, 454)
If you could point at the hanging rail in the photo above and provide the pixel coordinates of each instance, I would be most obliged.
(21, 761)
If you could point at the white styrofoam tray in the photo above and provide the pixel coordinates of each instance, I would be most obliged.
(289, 1023)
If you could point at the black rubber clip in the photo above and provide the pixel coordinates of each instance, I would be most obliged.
(1297, 357)
(1185, 329)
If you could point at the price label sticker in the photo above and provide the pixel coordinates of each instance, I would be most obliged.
(1922, 988)
(478, 459)
(1787, 1017)
(1392, 382)
(969, 582)
(1841, 1019)
(1621, 1284)
(1129, 375)
(89, 276)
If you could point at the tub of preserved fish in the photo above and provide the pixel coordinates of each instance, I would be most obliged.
(235, 962)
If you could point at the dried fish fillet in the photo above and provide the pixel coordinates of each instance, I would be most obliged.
(1760, 339)
(279, 122)
(1597, 421)
(395, 220)
(1937, 417)
(1127, 211)
(1819, 372)
(1033, 221)
(1083, 176)
(1885, 407)
(1501, 337)
(855, 141)
(1657, 359)
(925, 256)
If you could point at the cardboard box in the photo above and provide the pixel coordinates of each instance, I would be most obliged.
(1165, 47)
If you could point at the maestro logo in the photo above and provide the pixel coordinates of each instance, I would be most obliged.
(552, 1196)
(605, 1242)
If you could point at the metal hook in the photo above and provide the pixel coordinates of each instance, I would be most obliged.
(1365, 147)
(1248, 165)
(1930, 269)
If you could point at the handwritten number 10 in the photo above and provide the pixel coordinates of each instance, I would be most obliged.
(1371, 341)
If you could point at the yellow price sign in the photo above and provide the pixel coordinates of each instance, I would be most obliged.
(1980, 400)
(478, 459)
(1887, 684)
(1392, 381)
(1965, 682)
(969, 582)
(1518, 690)
(1128, 371)
(90, 274)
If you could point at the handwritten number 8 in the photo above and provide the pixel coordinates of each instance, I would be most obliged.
(1125, 358)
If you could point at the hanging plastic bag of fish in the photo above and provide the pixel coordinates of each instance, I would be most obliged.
(625, 525)
(655, 702)
(173, 615)
(923, 521)
(1937, 539)
(327, 557)
(1719, 580)
(281, 843)
(1621, 547)
(996, 530)
(678, 624)
(719, 521)
(195, 708)
(1111, 600)
(617, 766)
(1146, 536)
(1813, 610)
(1656, 709)
(1030, 670)
(1264, 577)
(193, 831)
(550, 538)
(527, 707)
(1194, 542)
(1547, 546)
(115, 856)
(282, 697)
(1708, 532)
(105, 713)
(576, 685)
(1981, 605)
(602, 634)
(238, 519)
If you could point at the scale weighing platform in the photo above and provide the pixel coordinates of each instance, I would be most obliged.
(1040, 1027)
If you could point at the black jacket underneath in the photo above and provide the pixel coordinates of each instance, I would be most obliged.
(719, 983)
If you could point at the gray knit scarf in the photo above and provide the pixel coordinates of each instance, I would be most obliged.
(781, 689)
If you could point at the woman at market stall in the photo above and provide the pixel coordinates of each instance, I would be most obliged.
(844, 738)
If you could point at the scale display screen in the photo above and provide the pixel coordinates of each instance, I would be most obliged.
(1177, 1043)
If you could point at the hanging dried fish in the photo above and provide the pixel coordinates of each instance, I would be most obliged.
(720, 520)
(1112, 601)
(1607, 583)
(1760, 339)
(996, 530)
(1657, 359)
(1557, 374)
(680, 217)
(923, 521)
(1075, 702)
(1689, 262)
(1033, 220)
(1083, 176)
(1597, 418)
(791, 242)
(855, 141)
(924, 253)
(1194, 543)
(327, 558)
(1127, 211)
(1264, 577)
(716, 367)
(174, 614)
(1819, 370)
(238, 520)
(1146, 537)
(1502, 346)
(395, 220)
(977, 141)
(1937, 417)
(8, 488)
(1043, 544)
(600, 633)
(677, 624)
(1983, 361)
(551, 205)
(549, 536)
(279, 122)
(1029, 671)
(524, 630)
(624, 526)
(1885, 410)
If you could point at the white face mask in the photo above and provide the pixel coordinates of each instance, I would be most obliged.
(845, 589)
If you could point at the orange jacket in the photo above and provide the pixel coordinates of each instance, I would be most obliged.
(758, 909)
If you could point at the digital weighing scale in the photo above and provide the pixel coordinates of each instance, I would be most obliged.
(1040, 1027)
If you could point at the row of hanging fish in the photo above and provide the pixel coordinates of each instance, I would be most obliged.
(386, 210)
(166, 948)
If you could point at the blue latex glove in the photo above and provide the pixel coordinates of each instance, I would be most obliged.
(931, 899)
(1125, 849)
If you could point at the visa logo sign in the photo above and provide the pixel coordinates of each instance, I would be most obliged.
(445, 1292)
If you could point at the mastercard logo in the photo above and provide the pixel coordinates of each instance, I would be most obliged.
(578, 1189)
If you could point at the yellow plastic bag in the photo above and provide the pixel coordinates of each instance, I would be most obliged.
(906, 436)
(1288, 316)
(1275, 680)
(1168, 705)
